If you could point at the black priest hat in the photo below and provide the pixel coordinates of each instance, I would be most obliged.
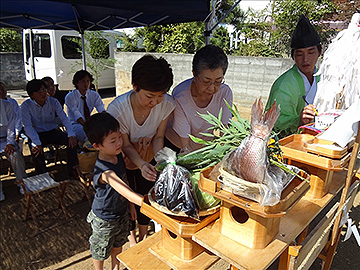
(304, 35)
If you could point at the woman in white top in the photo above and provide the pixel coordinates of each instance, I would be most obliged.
(143, 114)
(205, 92)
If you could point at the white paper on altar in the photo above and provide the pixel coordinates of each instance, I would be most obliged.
(344, 128)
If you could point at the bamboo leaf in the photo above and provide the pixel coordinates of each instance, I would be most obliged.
(207, 134)
(198, 140)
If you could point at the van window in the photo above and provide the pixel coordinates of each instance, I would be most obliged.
(71, 47)
(42, 45)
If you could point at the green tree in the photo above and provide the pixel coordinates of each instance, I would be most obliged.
(286, 13)
(345, 10)
(174, 38)
(10, 40)
(236, 17)
(131, 43)
(97, 46)
(255, 31)
(221, 38)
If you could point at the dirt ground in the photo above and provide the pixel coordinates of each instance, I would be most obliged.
(63, 243)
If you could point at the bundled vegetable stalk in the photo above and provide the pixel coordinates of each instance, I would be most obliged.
(225, 140)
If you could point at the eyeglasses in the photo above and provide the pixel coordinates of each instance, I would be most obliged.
(216, 83)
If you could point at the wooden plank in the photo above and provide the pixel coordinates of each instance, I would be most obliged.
(290, 195)
(291, 225)
(293, 149)
(348, 180)
(326, 148)
(183, 226)
(203, 261)
(139, 257)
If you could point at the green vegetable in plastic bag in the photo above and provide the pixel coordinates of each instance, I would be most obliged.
(204, 199)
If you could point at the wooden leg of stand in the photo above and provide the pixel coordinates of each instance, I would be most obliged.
(27, 206)
(303, 234)
(61, 192)
(284, 260)
(331, 252)
(29, 209)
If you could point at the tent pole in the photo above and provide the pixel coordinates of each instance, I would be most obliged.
(81, 31)
(32, 62)
(210, 25)
(83, 50)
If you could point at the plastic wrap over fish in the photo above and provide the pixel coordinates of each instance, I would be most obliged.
(249, 161)
(173, 190)
(267, 191)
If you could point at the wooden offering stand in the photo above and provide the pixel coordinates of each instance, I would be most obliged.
(176, 248)
(296, 220)
(244, 220)
(305, 151)
(139, 257)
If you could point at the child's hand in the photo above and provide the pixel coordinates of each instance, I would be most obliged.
(133, 214)
(148, 171)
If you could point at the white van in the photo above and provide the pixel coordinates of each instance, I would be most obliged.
(53, 53)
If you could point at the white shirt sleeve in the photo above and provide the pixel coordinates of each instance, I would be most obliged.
(72, 105)
(28, 126)
(98, 103)
(63, 118)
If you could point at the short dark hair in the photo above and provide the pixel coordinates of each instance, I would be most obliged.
(80, 75)
(209, 57)
(47, 79)
(293, 50)
(99, 125)
(152, 74)
(34, 86)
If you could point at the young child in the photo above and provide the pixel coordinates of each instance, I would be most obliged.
(109, 217)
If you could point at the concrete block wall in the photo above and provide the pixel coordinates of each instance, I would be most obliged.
(248, 77)
(12, 72)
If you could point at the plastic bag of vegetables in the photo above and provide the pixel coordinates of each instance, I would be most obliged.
(204, 199)
(173, 187)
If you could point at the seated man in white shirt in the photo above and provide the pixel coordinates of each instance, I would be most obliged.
(81, 101)
(16, 108)
(39, 119)
(7, 142)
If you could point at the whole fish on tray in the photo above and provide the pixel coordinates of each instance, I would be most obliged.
(249, 161)
(247, 170)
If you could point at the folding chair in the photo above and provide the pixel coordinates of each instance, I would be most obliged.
(37, 184)
(4, 160)
(86, 181)
(85, 171)
(56, 149)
